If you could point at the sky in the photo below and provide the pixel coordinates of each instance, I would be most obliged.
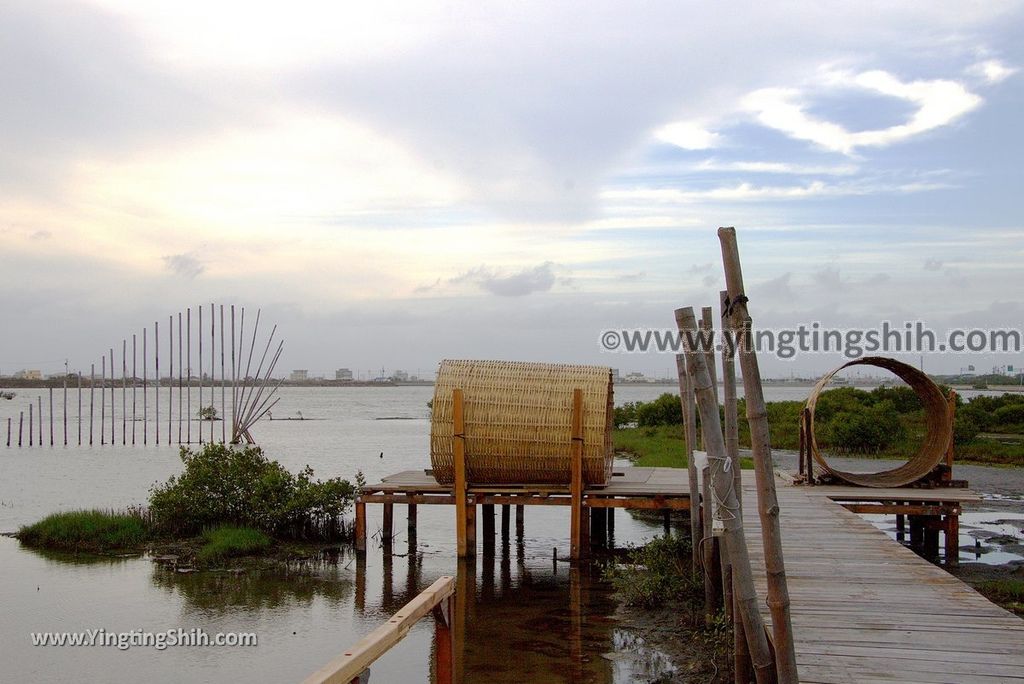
(394, 183)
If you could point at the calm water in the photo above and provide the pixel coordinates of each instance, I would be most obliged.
(519, 627)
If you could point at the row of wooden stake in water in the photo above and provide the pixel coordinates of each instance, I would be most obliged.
(251, 396)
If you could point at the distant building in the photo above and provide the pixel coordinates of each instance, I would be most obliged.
(615, 375)
(635, 377)
(299, 375)
(400, 376)
(29, 375)
(343, 374)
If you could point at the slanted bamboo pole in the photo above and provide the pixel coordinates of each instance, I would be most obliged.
(246, 393)
(689, 438)
(732, 428)
(253, 400)
(728, 509)
(757, 417)
(715, 558)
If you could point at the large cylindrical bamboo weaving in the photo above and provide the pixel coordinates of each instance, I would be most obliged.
(518, 421)
(938, 427)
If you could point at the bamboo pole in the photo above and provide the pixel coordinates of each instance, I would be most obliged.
(21, 421)
(715, 561)
(92, 401)
(51, 418)
(180, 355)
(689, 438)
(213, 352)
(135, 383)
(64, 413)
(156, 361)
(576, 483)
(170, 375)
(124, 392)
(8, 431)
(252, 401)
(199, 336)
(145, 389)
(31, 423)
(732, 438)
(113, 398)
(728, 509)
(79, 374)
(223, 389)
(103, 400)
(246, 393)
(459, 486)
(768, 505)
(188, 375)
(234, 376)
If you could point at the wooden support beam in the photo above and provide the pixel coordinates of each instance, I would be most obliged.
(576, 483)
(505, 520)
(487, 512)
(348, 666)
(411, 518)
(387, 532)
(459, 487)
(952, 533)
(360, 524)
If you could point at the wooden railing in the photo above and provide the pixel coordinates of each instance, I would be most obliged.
(439, 599)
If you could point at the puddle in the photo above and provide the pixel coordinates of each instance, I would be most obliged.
(989, 537)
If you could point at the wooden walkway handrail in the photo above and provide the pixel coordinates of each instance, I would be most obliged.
(353, 662)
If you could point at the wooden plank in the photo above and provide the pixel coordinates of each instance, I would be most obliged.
(349, 665)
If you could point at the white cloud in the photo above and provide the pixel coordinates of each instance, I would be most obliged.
(991, 70)
(939, 103)
(778, 167)
(748, 191)
(689, 135)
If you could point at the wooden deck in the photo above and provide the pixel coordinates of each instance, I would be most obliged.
(867, 610)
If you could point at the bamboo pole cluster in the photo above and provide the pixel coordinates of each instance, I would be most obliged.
(252, 394)
(720, 553)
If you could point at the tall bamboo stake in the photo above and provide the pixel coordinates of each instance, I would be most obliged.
(234, 376)
(728, 508)
(124, 392)
(156, 361)
(103, 400)
(757, 417)
(135, 382)
(246, 392)
(92, 383)
(39, 398)
(200, 336)
(179, 377)
(31, 423)
(79, 373)
(188, 375)
(113, 399)
(223, 384)
(689, 439)
(51, 418)
(145, 389)
(170, 375)
(732, 427)
(64, 413)
(21, 421)
(8, 431)
(213, 348)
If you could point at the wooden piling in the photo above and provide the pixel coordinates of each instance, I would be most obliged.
(170, 375)
(51, 418)
(223, 388)
(124, 391)
(721, 484)
(156, 362)
(213, 352)
(79, 374)
(8, 431)
(459, 487)
(690, 442)
(188, 375)
(768, 505)
(21, 420)
(103, 400)
(180, 388)
(31, 422)
(113, 399)
(360, 531)
(576, 483)
(505, 521)
(387, 532)
(145, 391)
(199, 336)
(135, 382)
(64, 413)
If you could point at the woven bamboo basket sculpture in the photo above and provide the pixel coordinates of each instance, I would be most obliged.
(518, 422)
(938, 432)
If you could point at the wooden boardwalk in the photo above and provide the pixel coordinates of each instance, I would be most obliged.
(867, 610)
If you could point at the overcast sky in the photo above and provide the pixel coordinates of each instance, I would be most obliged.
(395, 183)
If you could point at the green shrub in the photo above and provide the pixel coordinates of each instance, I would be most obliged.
(965, 428)
(1010, 414)
(87, 531)
(229, 541)
(866, 430)
(665, 410)
(243, 487)
(903, 398)
(656, 572)
(625, 415)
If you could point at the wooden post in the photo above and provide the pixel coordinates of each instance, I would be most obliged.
(31, 424)
(180, 364)
(8, 431)
(64, 414)
(21, 421)
(520, 521)
(135, 383)
(113, 399)
(947, 474)
(79, 374)
(124, 391)
(598, 526)
(145, 391)
(188, 376)
(199, 336)
(722, 485)
(952, 532)
(39, 400)
(156, 343)
(690, 441)
(506, 514)
(170, 376)
(388, 527)
(576, 483)
(360, 531)
(462, 520)
(51, 417)
(768, 505)
(223, 385)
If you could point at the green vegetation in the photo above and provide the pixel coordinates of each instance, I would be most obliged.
(1009, 593)
(207, 413)
(886, 422)
(229, 541)
(90, 531)
(243, 487)
(657, 572)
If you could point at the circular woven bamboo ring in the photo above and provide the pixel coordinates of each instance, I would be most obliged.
(938, 434)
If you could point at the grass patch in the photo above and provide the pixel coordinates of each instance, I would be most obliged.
(229, 541)
(656, 572)
(90, 531)
(660, 446)
(1009, 593)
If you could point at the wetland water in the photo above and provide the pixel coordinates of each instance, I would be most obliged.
(523, 624)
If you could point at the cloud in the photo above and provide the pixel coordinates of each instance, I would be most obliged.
(778, 288)
(932, 265)
(539, 278)
(185, 265)
(991, 71)
(778, 168)
(749, 191)
(939, 103)
(689, 135)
